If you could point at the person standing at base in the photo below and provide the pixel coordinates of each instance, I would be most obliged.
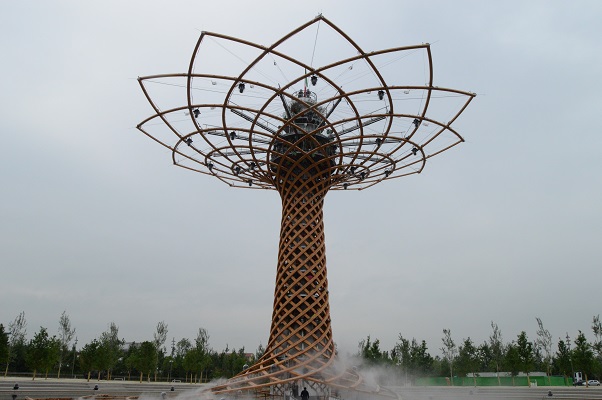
(304, 394)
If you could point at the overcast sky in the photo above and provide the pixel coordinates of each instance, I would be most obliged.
(97, 222)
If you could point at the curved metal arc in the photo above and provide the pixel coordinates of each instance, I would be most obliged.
(472, 96)
(172, 148)
(251, 65)
(161, 114)
(430, 84)
(281, 90)
(158, 112)
(269, 50)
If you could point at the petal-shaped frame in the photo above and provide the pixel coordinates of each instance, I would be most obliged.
(237, 137)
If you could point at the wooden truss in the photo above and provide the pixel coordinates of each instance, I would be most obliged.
(250, 130)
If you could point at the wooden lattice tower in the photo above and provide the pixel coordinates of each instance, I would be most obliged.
(250, 130)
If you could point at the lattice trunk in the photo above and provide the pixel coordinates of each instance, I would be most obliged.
(300, 346)
(301, 333)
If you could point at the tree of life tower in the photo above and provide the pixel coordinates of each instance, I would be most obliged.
(311, 113)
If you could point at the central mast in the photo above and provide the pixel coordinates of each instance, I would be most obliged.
(301, 334)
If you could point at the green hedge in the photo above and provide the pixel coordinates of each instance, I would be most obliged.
(493, 381)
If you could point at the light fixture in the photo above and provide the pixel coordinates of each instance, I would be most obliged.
(252, 165)
(237, 170)
(414, 150)
(362, 175)
(210, 165)
(381, 94)
(416, 122)
(378, 141)
(196, 112)
(387, 173)
(314, 80)
(241, 87)
(345, 186)
(250, 182)
(188, 141)
(232, 135)
(352, 169)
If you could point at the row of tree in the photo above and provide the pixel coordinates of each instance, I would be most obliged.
(412, 358)
(108, 356)
(194, 361)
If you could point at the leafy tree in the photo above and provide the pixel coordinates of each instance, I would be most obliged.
(525, 353)
(450, 351)
(497, 349)
(597, 345)
(259, 352)
(146, 359)
(89, 357)
(42, 352)
(467, 361)
(159, 338)
(412, 357)
(583, 355)
(370, 351)
(422, 361)
(17, 330)
(3, 344)
(231, 362)
(110, 349)
(562, 361)
(597, 329)
(65, 335)
(401, 355)
(512, 361)
(485, 357)
(544, 343)
(130, 358)
(182, 347)
(200, 357)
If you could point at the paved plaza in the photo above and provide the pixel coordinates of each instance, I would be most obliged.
(76, 388)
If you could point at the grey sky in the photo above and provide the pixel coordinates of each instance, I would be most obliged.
(96, 221)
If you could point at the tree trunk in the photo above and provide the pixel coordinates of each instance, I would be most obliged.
(497, 369)
(89, 373)
(141, 375)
